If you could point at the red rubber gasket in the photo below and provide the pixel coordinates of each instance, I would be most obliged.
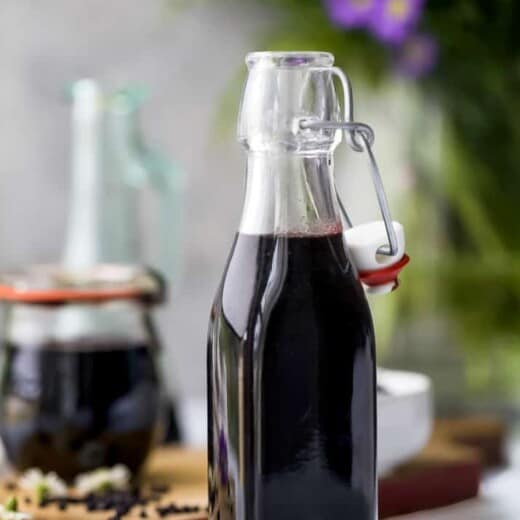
(383, 276)
(12, 294)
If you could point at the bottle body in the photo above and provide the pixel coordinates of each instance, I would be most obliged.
(291, 366)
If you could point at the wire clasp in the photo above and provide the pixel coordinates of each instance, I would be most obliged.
(360, 138)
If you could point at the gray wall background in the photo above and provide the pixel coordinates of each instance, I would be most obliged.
(187, 59)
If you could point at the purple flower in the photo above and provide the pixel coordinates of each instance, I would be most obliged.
(351, 13)
(417, 56)
(394, 20)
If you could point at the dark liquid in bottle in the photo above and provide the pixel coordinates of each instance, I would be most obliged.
(291, 384)
(72, 407)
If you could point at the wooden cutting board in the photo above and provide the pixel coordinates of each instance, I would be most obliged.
(183, 471)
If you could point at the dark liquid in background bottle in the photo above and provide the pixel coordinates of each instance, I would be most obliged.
(71, 407)
(291, 384)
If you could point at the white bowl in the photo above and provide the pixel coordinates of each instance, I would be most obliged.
(404, 415)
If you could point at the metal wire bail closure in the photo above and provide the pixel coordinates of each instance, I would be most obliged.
(360, 138)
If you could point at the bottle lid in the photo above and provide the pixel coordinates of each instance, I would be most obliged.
(52, 284)
(378, 272)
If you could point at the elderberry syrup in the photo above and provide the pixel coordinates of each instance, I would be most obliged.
(291, 354)
(70, 408)
(291, 363)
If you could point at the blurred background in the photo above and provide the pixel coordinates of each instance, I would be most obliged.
(438, 81)
(186, 58)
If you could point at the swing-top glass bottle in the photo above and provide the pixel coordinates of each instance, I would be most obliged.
(291, 363)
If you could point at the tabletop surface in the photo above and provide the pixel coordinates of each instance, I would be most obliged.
(499, 497)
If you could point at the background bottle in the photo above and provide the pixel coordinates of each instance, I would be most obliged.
(125, 202)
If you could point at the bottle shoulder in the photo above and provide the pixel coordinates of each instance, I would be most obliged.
(284, 278)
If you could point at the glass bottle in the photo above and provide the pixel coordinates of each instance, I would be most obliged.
(291, 361)
(118, 181)
(120, 187)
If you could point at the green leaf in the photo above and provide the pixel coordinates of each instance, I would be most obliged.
(11, 504)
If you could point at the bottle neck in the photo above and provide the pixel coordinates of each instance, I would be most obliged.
(83, 241)
(102, 219)
(290, 193)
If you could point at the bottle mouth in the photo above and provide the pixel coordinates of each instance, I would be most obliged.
(292, 59)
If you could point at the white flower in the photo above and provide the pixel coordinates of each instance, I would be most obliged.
(103, 479)
(44, 485)
(6, 514)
